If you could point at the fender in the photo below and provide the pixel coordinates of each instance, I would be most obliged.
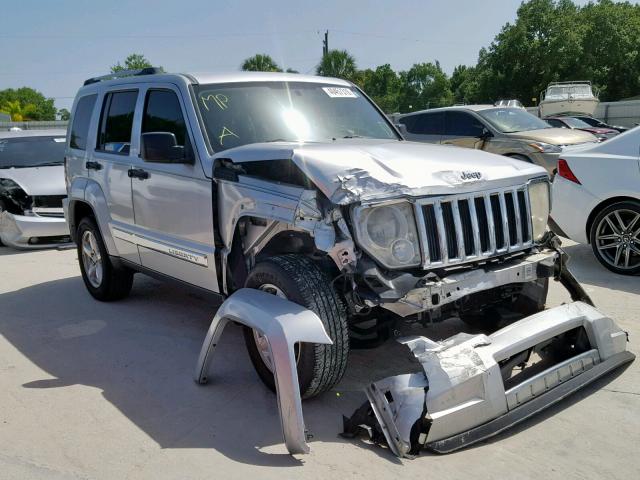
(284, 323)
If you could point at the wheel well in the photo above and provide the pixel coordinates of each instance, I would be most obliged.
(79, 210)
(286, 241)
(602, 205)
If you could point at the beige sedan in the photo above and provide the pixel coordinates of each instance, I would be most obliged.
(509, 131)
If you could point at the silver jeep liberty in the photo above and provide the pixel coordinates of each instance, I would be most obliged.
(301, 187)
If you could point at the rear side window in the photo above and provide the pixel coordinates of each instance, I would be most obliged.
(463, 124)
(81, 119)
(116, 122)
(428, 124)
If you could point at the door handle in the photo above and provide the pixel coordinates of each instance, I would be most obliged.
(93, 166)
(138, 173)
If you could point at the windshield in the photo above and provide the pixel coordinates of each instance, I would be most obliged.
(575, 122)
(511, 120)
(241, 113)
(23, 152)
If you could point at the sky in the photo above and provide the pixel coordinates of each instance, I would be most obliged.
(54, 45)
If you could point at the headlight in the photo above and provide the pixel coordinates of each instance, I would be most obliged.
(388, 233)
(545, 147)
(540, 204)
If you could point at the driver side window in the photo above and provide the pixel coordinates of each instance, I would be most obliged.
(462, 124)
(164, 131)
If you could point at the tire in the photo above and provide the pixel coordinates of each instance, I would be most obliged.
(621, 237)
(113, 283)
(532, 299)
(299, 279)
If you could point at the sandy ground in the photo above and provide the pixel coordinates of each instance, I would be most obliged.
(94, 390)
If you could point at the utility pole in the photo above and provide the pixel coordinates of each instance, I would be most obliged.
(325, 43)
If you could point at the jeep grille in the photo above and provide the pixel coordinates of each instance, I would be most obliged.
(463, 228)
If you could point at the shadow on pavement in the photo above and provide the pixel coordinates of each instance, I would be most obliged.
(588, 270)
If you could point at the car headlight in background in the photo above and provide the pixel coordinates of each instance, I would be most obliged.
(545, 147)
(540, 204)
(388, 233)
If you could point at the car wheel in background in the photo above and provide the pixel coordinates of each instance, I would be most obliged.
(102, 278)
(615, 237)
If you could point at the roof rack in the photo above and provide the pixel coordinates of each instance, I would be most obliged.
(125, 73)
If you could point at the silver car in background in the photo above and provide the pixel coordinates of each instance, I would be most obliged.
(32, 188)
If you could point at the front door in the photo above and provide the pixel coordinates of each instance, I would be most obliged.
(463, 130)
(172, 198)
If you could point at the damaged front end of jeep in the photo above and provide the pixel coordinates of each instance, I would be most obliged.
(408, 253)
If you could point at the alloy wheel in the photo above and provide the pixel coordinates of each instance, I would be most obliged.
(91, 259)
(617, 239)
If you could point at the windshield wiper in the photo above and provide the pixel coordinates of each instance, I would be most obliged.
(354, 136)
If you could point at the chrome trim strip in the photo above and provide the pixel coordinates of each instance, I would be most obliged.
(457, 222)
(422, 234)
(471, 201)
(442, 237)
(180, 253)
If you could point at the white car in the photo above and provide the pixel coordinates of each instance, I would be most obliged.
(596, 200)
(32, 188)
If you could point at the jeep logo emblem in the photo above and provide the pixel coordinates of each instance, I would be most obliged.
(466, 176)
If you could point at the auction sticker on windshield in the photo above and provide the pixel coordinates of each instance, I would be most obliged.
(339, 92)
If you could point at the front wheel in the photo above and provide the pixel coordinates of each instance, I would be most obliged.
(300, 280)
(615, 237)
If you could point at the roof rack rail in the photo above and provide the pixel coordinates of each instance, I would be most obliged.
(125, 73)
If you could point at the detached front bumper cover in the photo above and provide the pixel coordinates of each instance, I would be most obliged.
(474, 386)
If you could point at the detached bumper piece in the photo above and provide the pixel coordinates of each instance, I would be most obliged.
(284, 323)
(475, 386)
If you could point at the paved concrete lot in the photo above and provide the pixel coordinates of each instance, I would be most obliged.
(94, 390)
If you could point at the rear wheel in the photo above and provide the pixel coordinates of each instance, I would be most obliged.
(300, 280)
(615, 237)
(104, 280)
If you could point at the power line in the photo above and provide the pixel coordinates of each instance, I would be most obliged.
(185, 35)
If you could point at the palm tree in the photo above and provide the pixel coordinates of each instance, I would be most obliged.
(338, 63)
(260, 63)
(17, 111)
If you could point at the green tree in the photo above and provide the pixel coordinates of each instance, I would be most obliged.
(382, 85)
(464, 84)
(27, 103)
(260, 63)
(64, 114)
(339, 64)
(135, 61)
(610, 52)
(424, 85)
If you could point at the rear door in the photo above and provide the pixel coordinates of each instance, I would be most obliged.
(112, 160)
(424, 127)
(172, 198)
(463, 130)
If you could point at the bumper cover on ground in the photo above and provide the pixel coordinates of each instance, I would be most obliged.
(467, 392)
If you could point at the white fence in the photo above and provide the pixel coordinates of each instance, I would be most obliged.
(625, 113)
(4, 126)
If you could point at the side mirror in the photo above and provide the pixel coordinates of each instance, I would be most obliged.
(486, 134)
(162, 147)
(402, 128)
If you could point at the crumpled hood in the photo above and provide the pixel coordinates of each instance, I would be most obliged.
(38, 180)
(353, 170)
(555, 136)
